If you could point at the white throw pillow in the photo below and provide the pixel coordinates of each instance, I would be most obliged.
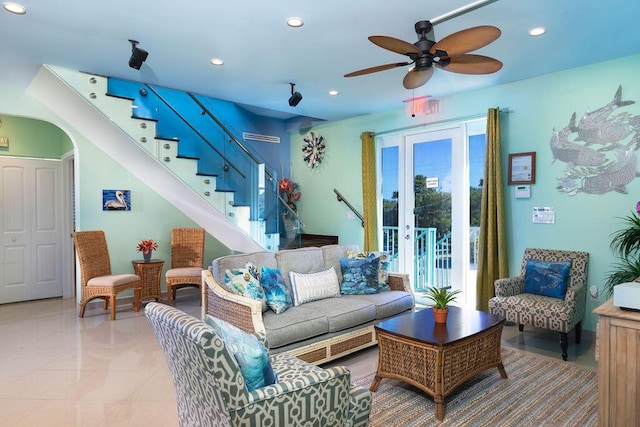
(314, 286)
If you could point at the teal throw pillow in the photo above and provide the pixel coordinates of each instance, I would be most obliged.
(359, 275)
(546, 278)
(252, 357)
(245, 281)
(275, 289)
(383, 268)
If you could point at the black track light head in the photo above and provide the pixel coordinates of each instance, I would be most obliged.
(138, 56)
(295, 97)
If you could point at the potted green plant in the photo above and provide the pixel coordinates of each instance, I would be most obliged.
(625, 243)
(441, 298)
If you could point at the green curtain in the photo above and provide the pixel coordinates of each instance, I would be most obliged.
(369, 191)
(493, 259)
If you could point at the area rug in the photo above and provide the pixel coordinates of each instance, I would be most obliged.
(539, 392)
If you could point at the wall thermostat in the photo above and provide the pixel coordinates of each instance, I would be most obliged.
(523, 191)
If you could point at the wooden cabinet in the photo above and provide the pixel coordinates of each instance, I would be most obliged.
(618, 352)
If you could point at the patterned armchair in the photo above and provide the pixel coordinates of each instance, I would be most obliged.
(545, 312)
(211, 391)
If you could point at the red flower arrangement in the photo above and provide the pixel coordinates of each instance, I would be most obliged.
(146, 246)
(288, 189)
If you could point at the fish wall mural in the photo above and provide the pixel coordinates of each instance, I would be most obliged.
(599, 149)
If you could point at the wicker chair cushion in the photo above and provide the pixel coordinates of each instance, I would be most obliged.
(275, 290)
(386, 304)
(113, 280)
(546, 278)
(184, 272)
(250, 354)
(294, 325)
(359, 275)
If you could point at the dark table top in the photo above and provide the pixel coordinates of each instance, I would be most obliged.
(419, 325)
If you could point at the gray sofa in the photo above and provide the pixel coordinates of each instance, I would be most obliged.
(317, 331)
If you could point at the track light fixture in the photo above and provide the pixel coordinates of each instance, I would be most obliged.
(295, 97)
(138, 56)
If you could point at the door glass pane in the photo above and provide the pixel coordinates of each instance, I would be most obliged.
(432, 214)
(390, 188)
(477, 150)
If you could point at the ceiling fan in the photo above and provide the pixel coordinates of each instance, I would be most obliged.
(450, 53)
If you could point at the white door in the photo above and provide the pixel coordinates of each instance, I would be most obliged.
(30, 229)
(430, 182)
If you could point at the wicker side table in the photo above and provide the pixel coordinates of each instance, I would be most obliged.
(150, 274)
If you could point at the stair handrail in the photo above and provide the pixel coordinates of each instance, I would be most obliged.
(197, 132)
(346, 202)
(229, 133)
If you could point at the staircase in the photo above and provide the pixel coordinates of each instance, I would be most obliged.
(204, 195)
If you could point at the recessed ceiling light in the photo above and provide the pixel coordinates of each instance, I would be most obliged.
(333, 92)
(537, 31)
(217, 61)
(295, 22)
(16, 8)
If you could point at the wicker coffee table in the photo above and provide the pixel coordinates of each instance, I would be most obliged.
(438, 358)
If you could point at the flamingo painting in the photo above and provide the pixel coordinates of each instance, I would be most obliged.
(116, 200)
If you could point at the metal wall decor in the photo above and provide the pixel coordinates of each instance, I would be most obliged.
(313, 149)
(599, 150)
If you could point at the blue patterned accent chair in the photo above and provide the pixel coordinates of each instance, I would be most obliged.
(211, 390)
(555, 314)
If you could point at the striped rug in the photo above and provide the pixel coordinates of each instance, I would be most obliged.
(539, 392)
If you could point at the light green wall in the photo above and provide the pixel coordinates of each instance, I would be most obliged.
(538, 106)
(33, 138)
(151, 217)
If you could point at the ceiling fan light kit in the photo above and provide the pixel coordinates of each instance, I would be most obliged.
(449, 54)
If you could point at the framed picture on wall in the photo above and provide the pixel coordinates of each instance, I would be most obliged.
(522, 168)
(116, 200)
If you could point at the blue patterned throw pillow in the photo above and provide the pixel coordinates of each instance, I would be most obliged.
(275, 289)
(546, 278)
(359, 275)
(250, 354)
(245, 281)
(383, 268)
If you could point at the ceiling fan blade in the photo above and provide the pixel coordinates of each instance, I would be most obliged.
(467, 40)
(395, 45)
(415, 78)
(376, 69)
(472, 64)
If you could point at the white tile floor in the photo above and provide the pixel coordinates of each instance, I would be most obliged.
(59, 370)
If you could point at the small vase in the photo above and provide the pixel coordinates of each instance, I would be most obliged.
(146, 256)
(440, 315)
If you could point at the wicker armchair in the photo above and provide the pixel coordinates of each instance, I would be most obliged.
(560, 315)
(211, 391)
(95, 268)
(187, 260)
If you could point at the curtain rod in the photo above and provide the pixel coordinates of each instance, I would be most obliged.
(505, 110)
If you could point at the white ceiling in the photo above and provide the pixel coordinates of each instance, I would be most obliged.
(262, 54)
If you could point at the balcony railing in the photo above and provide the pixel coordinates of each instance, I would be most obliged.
(431, 257)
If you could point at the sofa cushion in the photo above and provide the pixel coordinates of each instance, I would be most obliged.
(302, 260)
(359, 275)
(252, 357)
(294, 325)
(387, 303)
(314, 286)
(332, 255)
(344, 313)
(275, 290)
(546, 278)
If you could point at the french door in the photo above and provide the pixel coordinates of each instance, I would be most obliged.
(429, 202)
